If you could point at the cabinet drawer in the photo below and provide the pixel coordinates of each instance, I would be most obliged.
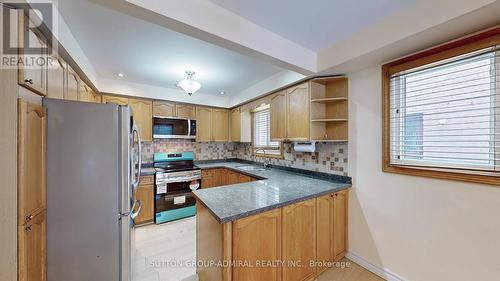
(147, 180)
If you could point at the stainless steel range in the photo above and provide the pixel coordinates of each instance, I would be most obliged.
(175, 179)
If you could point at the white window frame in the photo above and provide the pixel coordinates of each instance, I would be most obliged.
(271, 149)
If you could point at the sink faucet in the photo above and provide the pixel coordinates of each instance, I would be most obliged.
(266, 159)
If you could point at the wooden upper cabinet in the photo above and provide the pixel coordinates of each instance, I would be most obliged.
(340, 203)
(96, 98)
(32, 74)
(31, 164)
(186, 111)
(172, 109)
(73, 83)
(114, 100)
(248, 236)
(220, 124)
(299, 240)
(298, 117)
(324, 230)
(236, 125)
(164, 109)
(278, 116)
(85, 93)
(203, 124)
(32, 250)
(56, 82)
(143, 117)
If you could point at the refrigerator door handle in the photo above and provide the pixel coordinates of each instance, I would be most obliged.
(133, 214)
(136, 131)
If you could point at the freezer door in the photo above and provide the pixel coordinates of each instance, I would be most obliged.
(126, 195)
(84, 188)
(130, 151)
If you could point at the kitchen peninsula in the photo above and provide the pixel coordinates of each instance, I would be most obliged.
(288, 225)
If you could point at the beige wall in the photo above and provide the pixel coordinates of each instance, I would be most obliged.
(418, 228)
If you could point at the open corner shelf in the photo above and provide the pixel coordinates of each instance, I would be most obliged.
(330, 141)
(328, 100)
(329, 109)
(330, 120)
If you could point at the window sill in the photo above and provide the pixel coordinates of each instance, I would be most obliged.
(447, 174)
(275, 156)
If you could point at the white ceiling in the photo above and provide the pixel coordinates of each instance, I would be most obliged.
(248, 48)
(154, 55)
(314, 24)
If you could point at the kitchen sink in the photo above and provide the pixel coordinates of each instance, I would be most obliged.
(250, 168)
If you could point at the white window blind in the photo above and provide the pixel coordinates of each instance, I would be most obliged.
(447, 114)
(262, 134)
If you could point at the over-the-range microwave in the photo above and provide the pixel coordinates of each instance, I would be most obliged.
(173, 128)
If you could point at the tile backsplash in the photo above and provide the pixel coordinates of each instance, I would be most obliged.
(329, 157)
(202, 150)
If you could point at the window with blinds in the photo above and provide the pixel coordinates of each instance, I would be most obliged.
(262, 134)
(447, 114)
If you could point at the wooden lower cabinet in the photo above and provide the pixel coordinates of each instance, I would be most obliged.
(299, 241)
(340, 210)
(296, 238)
(324, 232)
(232, 177)
(145, 193)
(255, 239)
(32, 252)
(208, 178)
(31, 192)
(331, 229)
(31, 160)
(222, 176)
(245, 178)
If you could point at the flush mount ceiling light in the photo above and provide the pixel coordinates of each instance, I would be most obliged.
(189, 85)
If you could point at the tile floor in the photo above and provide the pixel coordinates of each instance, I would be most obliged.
(157, 245)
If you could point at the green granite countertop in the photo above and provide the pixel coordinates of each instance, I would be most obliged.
(277, 188)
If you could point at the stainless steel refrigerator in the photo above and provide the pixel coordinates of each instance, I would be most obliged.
(93, 167)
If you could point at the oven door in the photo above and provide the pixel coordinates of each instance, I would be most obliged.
(170, 128)
(174, 206)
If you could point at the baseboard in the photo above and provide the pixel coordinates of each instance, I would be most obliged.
(381, 272)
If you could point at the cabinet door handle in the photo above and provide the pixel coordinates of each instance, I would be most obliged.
(28, 218)
(29, 81)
